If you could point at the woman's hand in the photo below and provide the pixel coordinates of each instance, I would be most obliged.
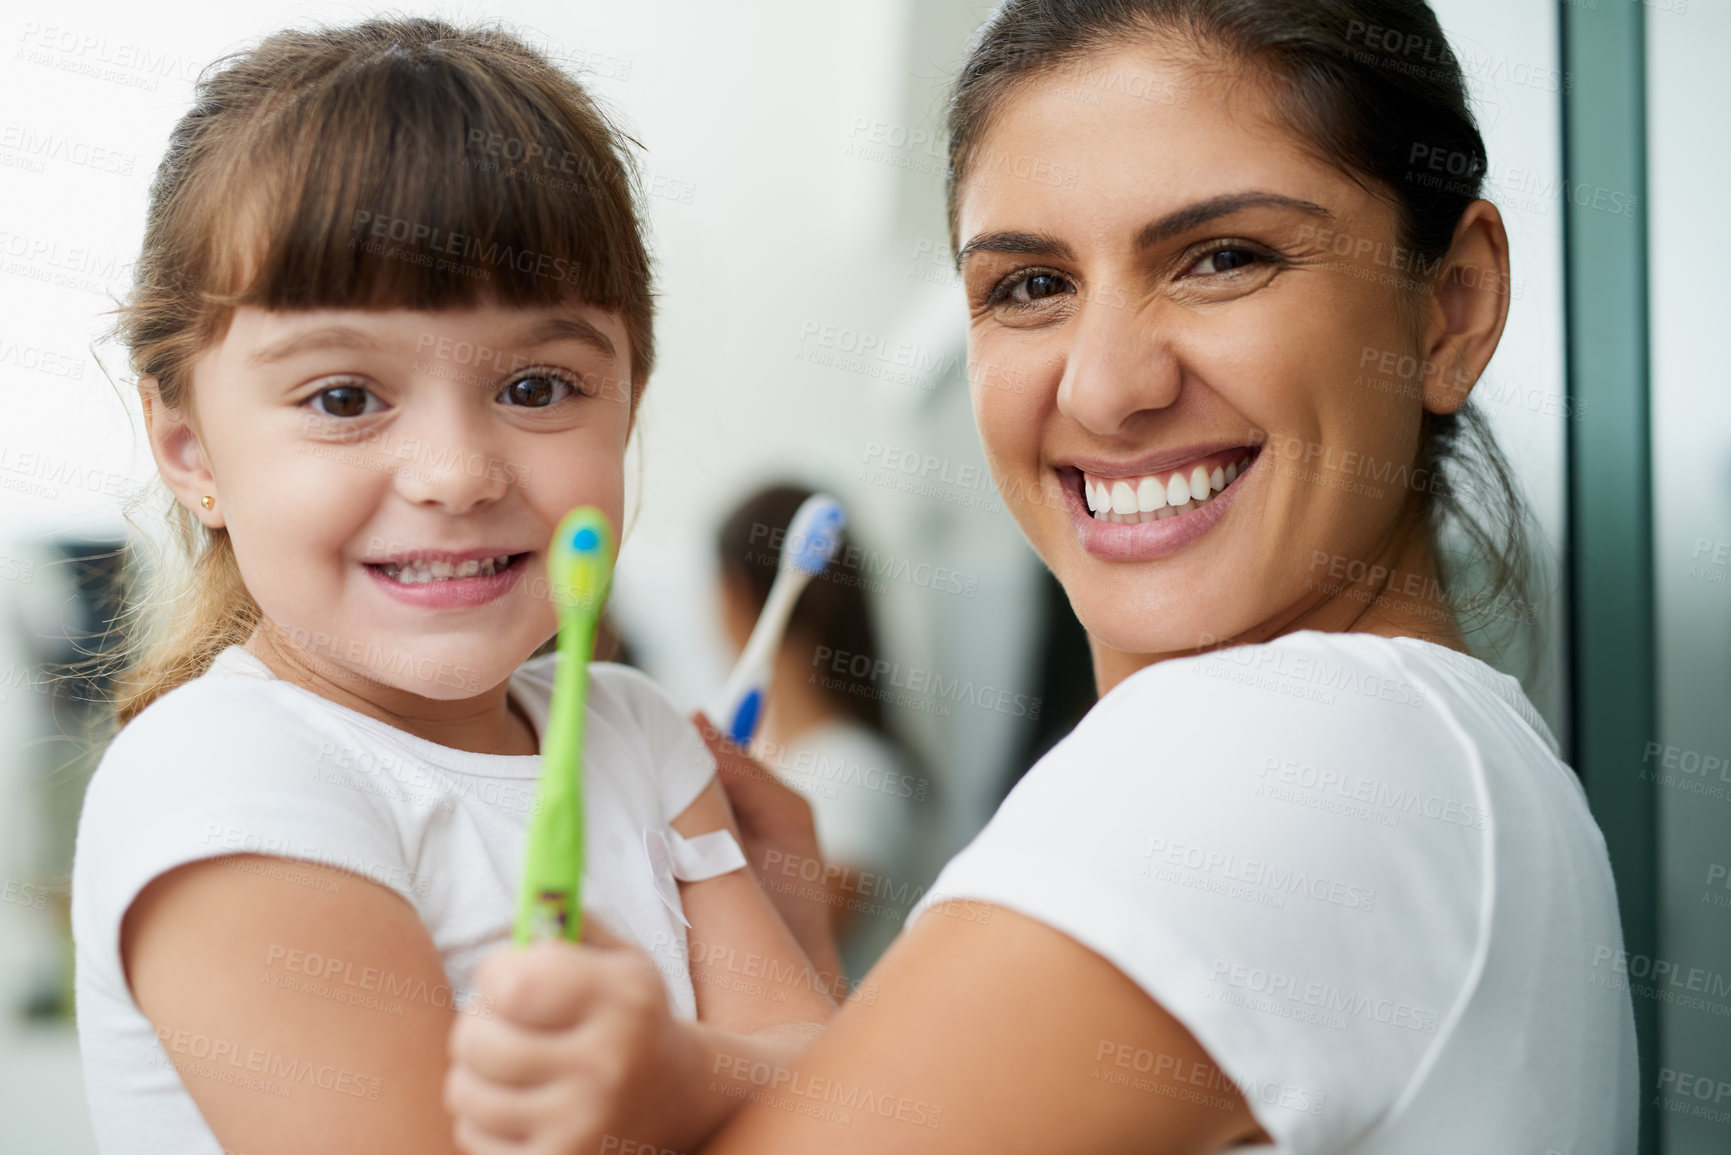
(582, 1054)
(775, 825)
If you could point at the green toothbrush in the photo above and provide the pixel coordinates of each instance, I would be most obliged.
(579, 567)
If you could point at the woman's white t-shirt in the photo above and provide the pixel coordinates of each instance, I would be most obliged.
(240, 762)
(1356, 870)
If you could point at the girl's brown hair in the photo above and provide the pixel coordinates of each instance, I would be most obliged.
(1374, 88)
(398, 163)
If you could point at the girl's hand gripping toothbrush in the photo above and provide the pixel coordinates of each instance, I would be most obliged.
(579, 567)
(806, 550)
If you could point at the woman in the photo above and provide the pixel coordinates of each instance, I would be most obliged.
(1308, 877)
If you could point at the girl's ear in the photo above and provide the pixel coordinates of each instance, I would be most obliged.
(179, 455)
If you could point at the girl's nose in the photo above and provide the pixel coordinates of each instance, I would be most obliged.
(1116, 368)
(454, 466)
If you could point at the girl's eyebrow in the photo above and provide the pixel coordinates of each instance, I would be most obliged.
(543, 332)
(328, 337)
(551, 329)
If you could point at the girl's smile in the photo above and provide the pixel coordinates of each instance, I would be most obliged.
(390, 480)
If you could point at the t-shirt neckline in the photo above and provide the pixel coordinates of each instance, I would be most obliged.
(239, 660)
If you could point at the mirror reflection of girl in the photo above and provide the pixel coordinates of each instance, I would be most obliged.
(1309, 877)
(824, 732)
(392, 321)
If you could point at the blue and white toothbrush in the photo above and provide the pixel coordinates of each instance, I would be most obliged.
(806, 551)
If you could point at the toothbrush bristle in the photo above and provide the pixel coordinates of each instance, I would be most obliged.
(813, 535)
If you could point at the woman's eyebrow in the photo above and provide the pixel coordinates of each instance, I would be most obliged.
(1038, 244)
(1171, 225)
(1200, 213)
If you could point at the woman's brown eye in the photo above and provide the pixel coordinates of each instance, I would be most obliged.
(1226, 260)
(343, 401)
(1042, 285)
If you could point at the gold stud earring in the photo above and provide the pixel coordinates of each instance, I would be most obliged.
(207, 501)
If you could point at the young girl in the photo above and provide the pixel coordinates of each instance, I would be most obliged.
(392, 321)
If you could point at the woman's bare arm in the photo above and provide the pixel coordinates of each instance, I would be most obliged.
(991, 1032)
(236, 960)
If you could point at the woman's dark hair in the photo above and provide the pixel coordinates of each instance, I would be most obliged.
(1374, 89)
(832, 612)
(396, 163)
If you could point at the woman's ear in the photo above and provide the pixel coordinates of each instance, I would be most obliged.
(179, 455)
(1468, 308)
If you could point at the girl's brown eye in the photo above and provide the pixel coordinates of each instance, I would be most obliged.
(536, 391)
(342, 401)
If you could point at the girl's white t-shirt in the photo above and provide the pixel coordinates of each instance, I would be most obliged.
(239, 761)
(1356, 870)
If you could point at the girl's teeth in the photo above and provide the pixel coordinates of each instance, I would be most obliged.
(419, 573)
(1152, 498)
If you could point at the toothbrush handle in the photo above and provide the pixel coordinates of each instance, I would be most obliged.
(551, 904)
(741, 704)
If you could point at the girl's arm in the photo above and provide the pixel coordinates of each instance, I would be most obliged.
(748, 971)
(239, 963)
(776, 826)
(993, 1032)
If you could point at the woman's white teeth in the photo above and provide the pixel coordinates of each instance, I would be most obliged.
(412, 573)
(1134, 499)
(1123, 497)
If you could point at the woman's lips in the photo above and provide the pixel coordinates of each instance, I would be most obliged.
(1148, 540)
(451, 593)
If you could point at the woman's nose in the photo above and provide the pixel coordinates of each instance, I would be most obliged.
(1116, 367)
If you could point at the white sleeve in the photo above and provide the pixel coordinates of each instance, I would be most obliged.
(681, 763)
(1249, 854)
(218, 768)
